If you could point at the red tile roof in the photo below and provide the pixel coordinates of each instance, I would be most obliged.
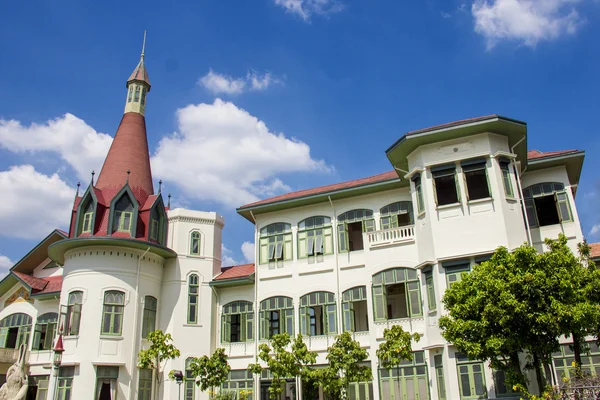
(594, 250)
(140, 73)
(535, 154)
(453, 123)
(51, 284)
(236, 271)
(386, 176)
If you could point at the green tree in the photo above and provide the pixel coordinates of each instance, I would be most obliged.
(210, 372)
(396, 347)
(345, 357)
(161, 349)
(282, 363)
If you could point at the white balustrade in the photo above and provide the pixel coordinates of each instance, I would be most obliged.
(386, 237)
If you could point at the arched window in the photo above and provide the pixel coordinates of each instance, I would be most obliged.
(396, 294)
(315, 237)
(45, 329)
(276, 316)
(354, 309)
(112, 315)
(396, 214)
(190, 383)
(149, 317)
(276, 244)
(351, 226)
(14, 331)
(318, 315)
(237, 322)
(123, 215)
(195, 243)
(547, 204)
(193, 289)
(71, 313)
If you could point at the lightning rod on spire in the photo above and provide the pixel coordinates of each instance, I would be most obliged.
(144, 44)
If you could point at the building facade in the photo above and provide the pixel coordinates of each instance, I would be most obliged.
(357, 256)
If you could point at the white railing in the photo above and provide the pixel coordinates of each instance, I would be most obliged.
(391, 236)
(8, 355)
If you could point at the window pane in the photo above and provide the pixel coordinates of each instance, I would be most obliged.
(445, 187)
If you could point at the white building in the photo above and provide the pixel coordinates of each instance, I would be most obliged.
(358, 256)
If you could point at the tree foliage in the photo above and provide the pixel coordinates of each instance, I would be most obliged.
(345, 357)
(397, 346)
(282, 363)
(521, 301)
(161, 349)
(210, 372)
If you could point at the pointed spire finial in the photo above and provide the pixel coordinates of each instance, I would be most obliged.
(93, 173)
(128, 172)
(144, 45)
(159, 186)
(169, 203)
(78, 185)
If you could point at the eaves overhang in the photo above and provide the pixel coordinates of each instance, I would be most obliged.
(338, 194)
(38, 253)
(572, 161)
(513, 129)
(57, 250)
(246, 280)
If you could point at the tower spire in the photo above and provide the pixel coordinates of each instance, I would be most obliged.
(138, 85)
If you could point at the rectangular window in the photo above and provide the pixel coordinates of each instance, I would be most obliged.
(106, 382)
(454, 270)
(476, 180)
(502, 389)
(112, 316)
(471, 378)
(87, 222)
(238, 382)
(145, 384)
(124, 218)
(154, 230)
(564, 358)
(506, 179)
(419, 194)
(445, 185)
(65, 383)
(41, 386)
(408, 381)
(193, 300)
(430, 290)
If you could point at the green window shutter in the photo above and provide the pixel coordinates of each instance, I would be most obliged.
(342, 237)
(23, 336)
(379, 303)
(42, 390)
(414, 299)
(506, 181)
(304, 320)
(288, 251)
(369, 225)
(3, 335)
(250, 326)
(49, 342)
(327, 240)
(264, 325)
(37, 335)
(487, 180)
(331, 320)
(458, 187)
(434, 191)
(385, 222)
(465, 183)
(563, 207)
(75, 319)
(264, 250)
(225, 328)
(289, 321)
(302, 244)
(348, 316)
(531, 213)
(430, 291)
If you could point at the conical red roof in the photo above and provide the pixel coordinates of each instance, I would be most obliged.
(128, 152)
(140, 74)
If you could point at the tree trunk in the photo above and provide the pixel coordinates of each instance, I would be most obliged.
(577, 348)
(538, 373)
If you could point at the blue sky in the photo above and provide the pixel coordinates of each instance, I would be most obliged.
(267, 96)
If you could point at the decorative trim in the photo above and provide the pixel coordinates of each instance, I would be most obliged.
(195, 220)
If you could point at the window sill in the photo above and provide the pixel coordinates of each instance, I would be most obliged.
(41, 351)
(447, 206)
(432, 312)
(484, 200)
(193, 325)
(111, 337)
(511, 199)
(421, 214)
(194, 256)
(71, 337)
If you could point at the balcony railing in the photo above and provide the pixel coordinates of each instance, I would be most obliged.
(8, 355)
(391, 236)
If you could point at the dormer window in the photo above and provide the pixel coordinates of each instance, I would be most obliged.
(88, 217)
(85, 214)
(123, 215)
(154, 230)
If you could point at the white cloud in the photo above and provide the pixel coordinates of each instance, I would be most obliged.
(526, 21)
(5, 264)
(248, 251)
(223, 84)
(217, 83)
(76, 142)
(33, 204)
(306, 8)
(227, 259)
(222, 153)
(595, 229)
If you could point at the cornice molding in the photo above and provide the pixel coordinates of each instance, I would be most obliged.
(204, 221)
